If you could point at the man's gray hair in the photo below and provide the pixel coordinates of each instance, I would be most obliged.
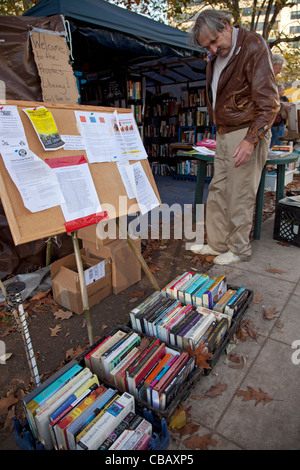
(213, 20)
(278, 59)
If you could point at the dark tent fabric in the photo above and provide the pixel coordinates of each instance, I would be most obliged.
(112, 17)
(18, 70)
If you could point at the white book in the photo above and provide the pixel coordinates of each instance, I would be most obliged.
(161, 333)
(124, 437)
(43, 413)
(106, 360)
(196, 333)
(181, 292)
(106, 424)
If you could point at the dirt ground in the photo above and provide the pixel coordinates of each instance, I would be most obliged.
(56, 339)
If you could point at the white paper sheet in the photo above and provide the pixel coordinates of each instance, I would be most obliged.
(122, 167)
(144, 193)
(98, 136)
(204, 150)
(131, 137)
(78, 189)
(73, 142)
(12, 132)
(36, 182)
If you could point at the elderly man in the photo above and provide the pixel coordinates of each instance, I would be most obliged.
(242, 101)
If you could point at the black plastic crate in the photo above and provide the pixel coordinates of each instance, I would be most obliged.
(287, 224)
(235, 323)
(143, 408)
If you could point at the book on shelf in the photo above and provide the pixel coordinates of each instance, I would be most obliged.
(134, 377)
(167, 378)
(86, 428)
(170, 392)
(95, 358)
(116, 353)
(198, 330)
(117, 431)
(200, 281)
(59, 428)
(181, 291)
(117, 411)
(165, 333)
(236, 302)
(144, 305)
(78, 396)
(216, 336)
(46, 389)
(197, 297)
(42, 417)
(86, 416)
(220, 305)
(214, 292)
(182, 335)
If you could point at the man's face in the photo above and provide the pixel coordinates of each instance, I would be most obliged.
(219, 44)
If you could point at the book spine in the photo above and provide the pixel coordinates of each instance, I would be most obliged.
(194, 287)
(113, 416)
(197, 297)
(186, 329)
(181, 292)
(172, 389)
(120, 353)
(195, 337)
(133, 382)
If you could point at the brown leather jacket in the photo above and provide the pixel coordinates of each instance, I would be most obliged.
(247, 93)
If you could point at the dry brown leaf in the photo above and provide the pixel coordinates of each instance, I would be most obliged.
(6, 402)
(240, 366)
(257, 298)
(197, 397)
(251, 394)
(199, 442)
(137, 294)
(55, 330)
(234, 357)
(189, 428)
(201, 356)
(216, 390)
(269, 312)
(40, 295)
(275, 271)
(73, 353)
(63, 315)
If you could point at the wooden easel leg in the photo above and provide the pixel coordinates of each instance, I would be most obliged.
(139, 257)
(82, 283)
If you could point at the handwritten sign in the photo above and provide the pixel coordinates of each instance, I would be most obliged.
(51, 56)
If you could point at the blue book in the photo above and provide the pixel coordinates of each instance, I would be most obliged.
(87, 416)
(197, 297)
(33, 401)
(200, 282)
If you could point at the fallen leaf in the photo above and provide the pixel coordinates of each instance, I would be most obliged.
(55, 330)
(6, 402)
(199, 442)
(189, 428)
(201, 356)
(197, 397)
(251, 394)
(40, 295)
(178, 419)
(269, 312)
(137, 294)
(216, 390)
(240, 366)
(234, 357)
(257, 298)
(63, 315)
(73, 353)
(275, 271)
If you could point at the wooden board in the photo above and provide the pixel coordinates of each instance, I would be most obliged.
(26, 226)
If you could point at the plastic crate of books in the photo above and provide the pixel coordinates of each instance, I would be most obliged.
(177, 392)
(287, 223)
(236, 320)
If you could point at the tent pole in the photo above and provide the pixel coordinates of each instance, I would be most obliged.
(84, 295)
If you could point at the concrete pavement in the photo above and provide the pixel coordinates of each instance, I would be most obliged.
(272, 364)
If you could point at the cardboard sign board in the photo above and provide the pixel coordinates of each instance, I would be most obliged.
(51, 55)
(27, 226)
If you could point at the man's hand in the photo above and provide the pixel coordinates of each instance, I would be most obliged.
(243, 153)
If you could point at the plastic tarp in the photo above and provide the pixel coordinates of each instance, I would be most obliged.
(112, 17)
(18, 70)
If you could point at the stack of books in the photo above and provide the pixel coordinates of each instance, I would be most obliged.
(190, 310)
(73, 411)
(145, 369)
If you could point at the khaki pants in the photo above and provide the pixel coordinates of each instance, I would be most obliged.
(232, 195)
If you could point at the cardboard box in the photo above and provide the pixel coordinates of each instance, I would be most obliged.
(66, 286)
(93, 233)
(126, 270)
